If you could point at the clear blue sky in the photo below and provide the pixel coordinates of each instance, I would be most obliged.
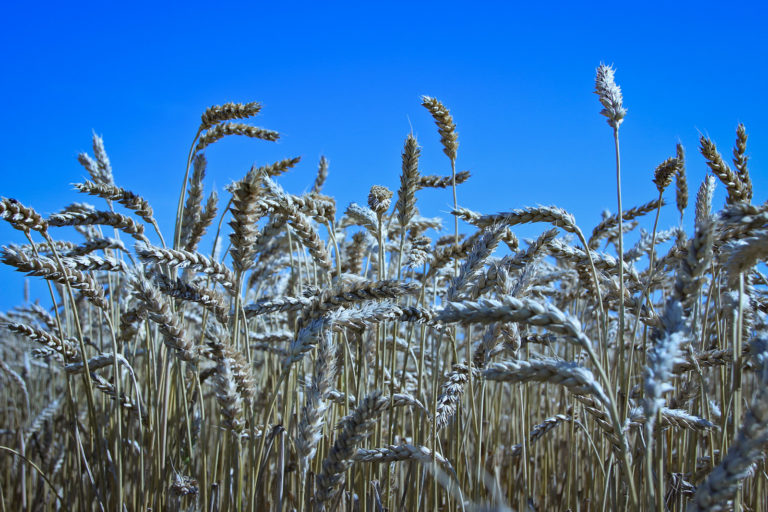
(343, 80)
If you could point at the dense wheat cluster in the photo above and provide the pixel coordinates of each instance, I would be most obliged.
(315, 356)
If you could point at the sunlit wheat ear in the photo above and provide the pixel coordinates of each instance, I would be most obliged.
(704, 200)
(230, 401)
(418, 253)
(66, 347)
(160, 313)
(603, 229)
(538, 431)
(736, 188)
(445, 125)
(451, 392)
(271, 170)
(379, 199)
(275, 304)
(550, 214)
(406, 195)
(644, 244)
(362, 216)
(90, 165)
(193, 205)
(126, 198)
(99, 218)
(677, 418)
(744, 254)
(536, 249)
(577, 379)
(202, 222)
(354, 254)
(347, 295)
(219, 131)
(102, 161)
(696, 263)
(94, 363)
(293, 208)
(610, 95)
(322, 175)
(310, 239)
(444, 254)
(482, 249)
(604, 262)
(62, 246)
(97, 244)
(47, 268)
(321, 208)
(521, 310)
(433, 181)
(403, 452)
(21, 217)
(93, 262)
(183, 259)
(227, 112)
(209, 298)
(662, 176)
(241, 369)
(244, 209)
(740, 159)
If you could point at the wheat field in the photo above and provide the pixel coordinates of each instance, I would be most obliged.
(283, 352)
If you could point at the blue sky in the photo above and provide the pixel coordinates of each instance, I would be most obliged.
(344, 79)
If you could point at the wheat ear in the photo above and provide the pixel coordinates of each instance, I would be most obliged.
(89, 218)
(244, 231)
(610, 95)
(322, 175)
(603, 228)
(226, 112)
(48, 269)
(21, 217)
(733, 183)
(159, 311)
(740, 160)
(406, 198)
(202, 222)
(434, 181)
(193, 205)
(445, 125)
(178, 258)
(133, 202)
(219, 131)
(681, 182)
(577, 379)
